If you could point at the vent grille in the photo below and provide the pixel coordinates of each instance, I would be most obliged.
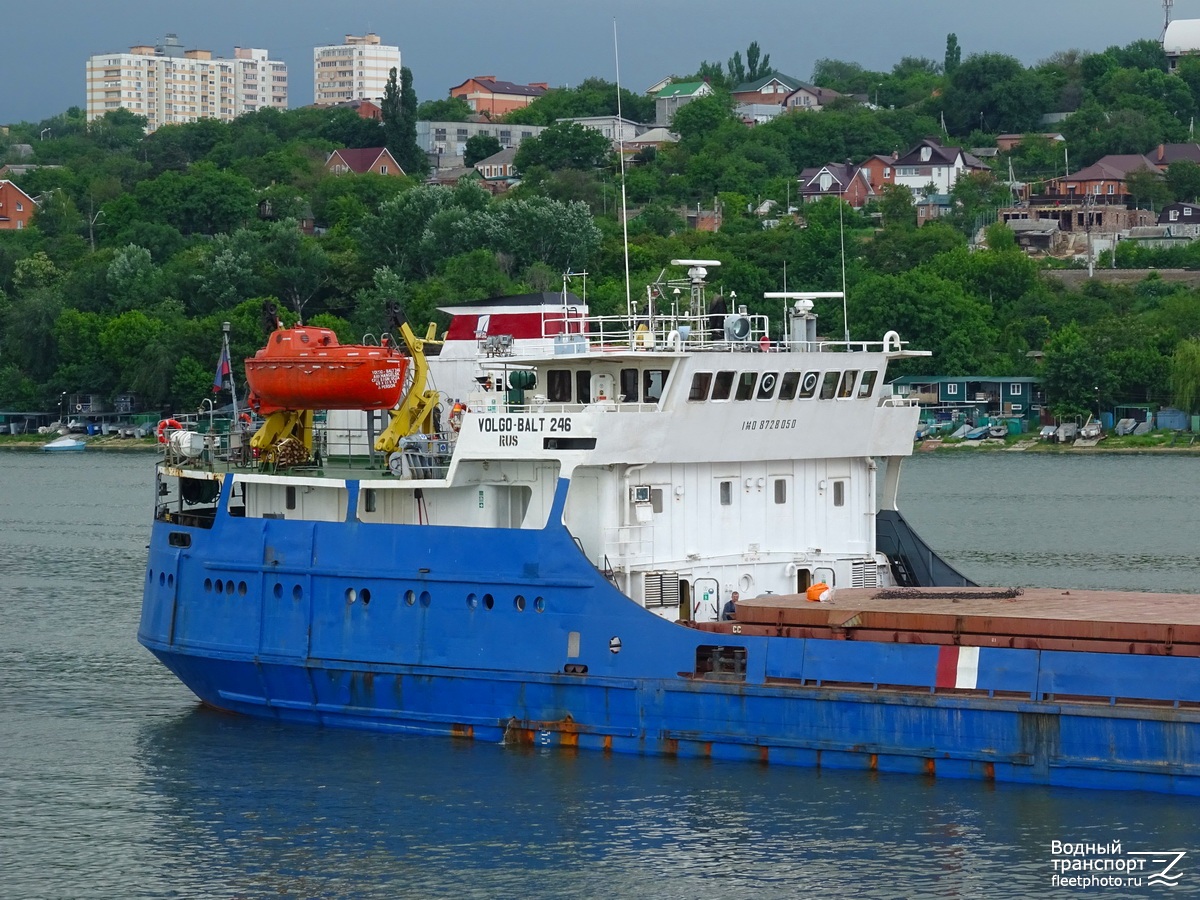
(661, 588)
(864, 574)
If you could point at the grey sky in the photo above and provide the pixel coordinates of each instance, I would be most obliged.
(558, 41)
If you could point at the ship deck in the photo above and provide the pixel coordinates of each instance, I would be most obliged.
(1029, 618)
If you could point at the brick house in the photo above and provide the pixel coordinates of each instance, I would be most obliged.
(362, 160)
(497, 171)
(16, 207)
(771, 89)
(845, 180)
(810, 97)
(880, 170)
(1103, 179)
(488, 97)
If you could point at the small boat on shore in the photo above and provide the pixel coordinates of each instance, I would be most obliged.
(64, 443)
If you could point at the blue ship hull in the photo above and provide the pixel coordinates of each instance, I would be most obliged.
(497, 634)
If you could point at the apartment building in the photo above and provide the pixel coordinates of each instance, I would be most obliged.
(357, 69)
(170, 85)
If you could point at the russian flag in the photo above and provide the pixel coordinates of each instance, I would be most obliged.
(223, 369)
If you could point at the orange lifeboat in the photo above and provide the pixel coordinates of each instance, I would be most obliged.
(306, 368)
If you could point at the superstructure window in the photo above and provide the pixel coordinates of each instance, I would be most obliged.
(745, 385)
(846, 389)
(829, 385)
(558, 386)
(839, 493)
(653, 382)
(781, 490)
(723, 386)
(766, 387)
(629, 386)
(788, 385)
(701, 382)
(583, 386)
(727, 493)
(808, 386)
(867, 385)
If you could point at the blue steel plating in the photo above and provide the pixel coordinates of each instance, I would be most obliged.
(314, 622)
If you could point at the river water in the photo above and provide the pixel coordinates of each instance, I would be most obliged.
(113, 783)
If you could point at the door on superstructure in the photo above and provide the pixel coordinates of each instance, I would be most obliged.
(835, 491)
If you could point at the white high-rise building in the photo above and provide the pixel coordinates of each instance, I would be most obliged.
(170, 85)
(355, 70)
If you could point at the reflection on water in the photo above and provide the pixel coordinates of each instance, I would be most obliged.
(116, 784)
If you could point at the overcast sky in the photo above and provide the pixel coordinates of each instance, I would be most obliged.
(561, 42)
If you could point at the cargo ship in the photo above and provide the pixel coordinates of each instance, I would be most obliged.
(669, 532)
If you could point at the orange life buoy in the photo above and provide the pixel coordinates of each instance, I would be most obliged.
(164, 425)
(456, 416)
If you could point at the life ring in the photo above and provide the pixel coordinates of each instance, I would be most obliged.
(78, 407)
(161, 431)
(456, 416)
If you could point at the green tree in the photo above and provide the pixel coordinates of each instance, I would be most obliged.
(399, 109)
(562, 146)
(1183, 178)
(448, 109)
(1148, 188)
(480, 146)
(953, 55)
(1185, 375)
(1075, 375)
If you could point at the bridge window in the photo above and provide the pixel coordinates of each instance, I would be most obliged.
(745, 387)
(847, 386)
(829, 385)
(629, 386)
(558, 386)
(808, 386)
(701, 382)
(723, 386)
(788, 385)
(653, 381)
(867, 385)
(766, 387)
(583, 386)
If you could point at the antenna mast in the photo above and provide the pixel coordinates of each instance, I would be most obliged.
(1167, 4)
(621, 155)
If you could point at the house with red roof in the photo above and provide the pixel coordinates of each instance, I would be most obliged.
(361, 160)
(492, 98)
(16, 207)
(846, 181)
(1104, 179)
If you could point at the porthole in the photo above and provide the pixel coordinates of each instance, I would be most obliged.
(410, 597)
(242, 589)
(170, 581)
(351, 595)
(278, 591)
(472, 601)
(365, 596)
(162, 578)
(488, 601)
(229, 588)
(519, 603)
(220, 586)
(208, 585)
(297, 592)
(614, 644)
(150, 575)
(539, 603)
(426, 599)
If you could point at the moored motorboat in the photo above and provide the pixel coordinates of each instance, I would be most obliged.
(64, 443)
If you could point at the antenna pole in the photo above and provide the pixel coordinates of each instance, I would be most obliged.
(842, 238)
(621, 156)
